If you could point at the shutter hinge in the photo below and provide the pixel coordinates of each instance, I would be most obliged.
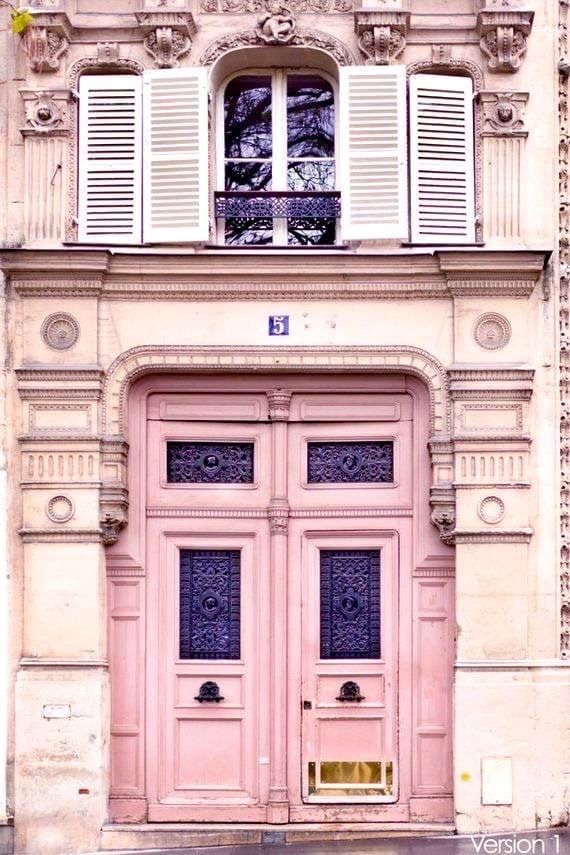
(75, 94)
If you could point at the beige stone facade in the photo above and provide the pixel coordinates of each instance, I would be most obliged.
(477, 323)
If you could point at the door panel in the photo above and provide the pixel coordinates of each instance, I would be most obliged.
(349, 683)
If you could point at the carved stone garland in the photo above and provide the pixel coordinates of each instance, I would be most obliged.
(564, 317)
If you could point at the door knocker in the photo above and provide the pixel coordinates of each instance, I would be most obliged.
(350, 691)
(209, 693)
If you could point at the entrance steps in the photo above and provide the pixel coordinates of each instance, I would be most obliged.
(149, 836)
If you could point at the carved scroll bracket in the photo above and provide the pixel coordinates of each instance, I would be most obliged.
(504, 36)
(442, 492)
(381, 34)
(47, 112)
(168, 36)
(114, 497)
(503, 113)
(46, 41)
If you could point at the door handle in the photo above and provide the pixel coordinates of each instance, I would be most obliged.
(209, 693)
(307, 705)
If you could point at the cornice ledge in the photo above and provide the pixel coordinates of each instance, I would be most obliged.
(515, 535)
(67, 535)
(40, 662)
(50, 373)
(478, 371)
(496, 264)
(62, 263)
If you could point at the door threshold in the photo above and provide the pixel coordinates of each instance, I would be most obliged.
(181, 835)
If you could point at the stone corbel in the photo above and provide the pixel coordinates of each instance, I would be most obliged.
(381, 34)
(47, 112)
(46, 40)
(504, 36)
(168, 36)
(114, 496)
(442, 493)
(503, 113)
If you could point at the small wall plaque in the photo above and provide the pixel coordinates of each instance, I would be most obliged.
(278, 324)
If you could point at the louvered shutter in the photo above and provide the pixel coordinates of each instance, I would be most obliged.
(175, 155)
(441, 157)
(373, 161)
(109, 174)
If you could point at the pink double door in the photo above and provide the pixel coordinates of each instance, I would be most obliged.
(279, 617)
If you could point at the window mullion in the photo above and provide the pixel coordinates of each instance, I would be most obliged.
(279, 119)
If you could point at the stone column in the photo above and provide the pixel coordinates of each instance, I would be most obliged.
(278, 511)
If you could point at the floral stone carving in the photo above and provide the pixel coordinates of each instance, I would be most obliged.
(504, 37)
(381, 35)
(168, 36)
(318, 7)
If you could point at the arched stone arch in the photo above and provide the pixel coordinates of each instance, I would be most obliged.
(148, 359)
(309, 38)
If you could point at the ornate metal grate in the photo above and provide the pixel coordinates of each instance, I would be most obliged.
(209, 462)
(314, 205)
(209, 604)
(350, 462)
(350, 604)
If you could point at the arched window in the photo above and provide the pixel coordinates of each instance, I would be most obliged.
(277, 171)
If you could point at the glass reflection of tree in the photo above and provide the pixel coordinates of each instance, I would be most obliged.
(305, 105)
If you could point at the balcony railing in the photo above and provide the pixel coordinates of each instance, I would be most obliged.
(264, 204)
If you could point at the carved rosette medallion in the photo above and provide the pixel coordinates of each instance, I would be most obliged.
(492, 331)
(491, 509)
(60, 331)
(59, 509)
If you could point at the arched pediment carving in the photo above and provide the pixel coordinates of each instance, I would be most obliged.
(304, 37)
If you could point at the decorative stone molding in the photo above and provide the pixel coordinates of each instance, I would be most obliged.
(60, 331)
(65, 535)
(46, 40)
(503, 113)
(491, 510)
(276, 26)
(168, 36)
(47, 112)
(517, 535)
(315, 7)
(113, 507)
(278, 514)
(381, 34)
(492, 331)
(564, 324)
(279, 404)
(59, 509)
(303, 37)
(108, 53)
(504, 34)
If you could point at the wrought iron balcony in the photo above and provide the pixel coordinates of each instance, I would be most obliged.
(264, 204)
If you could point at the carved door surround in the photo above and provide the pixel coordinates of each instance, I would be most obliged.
(431, 576)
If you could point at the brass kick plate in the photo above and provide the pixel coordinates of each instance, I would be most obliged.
(351, 778)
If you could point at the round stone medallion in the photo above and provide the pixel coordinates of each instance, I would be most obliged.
(60, 331)
(491, 509)
(492, 331)
(59, 509)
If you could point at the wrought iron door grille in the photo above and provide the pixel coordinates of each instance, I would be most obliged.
(368, 462)
(248, 204)
(209, 462)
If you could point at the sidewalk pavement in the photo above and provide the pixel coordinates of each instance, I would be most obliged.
(552, 842)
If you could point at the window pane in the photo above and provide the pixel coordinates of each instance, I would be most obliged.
(308, 232)
(247, 175)
(246, 231)
(310, 116)
(311, 175)
(247, 112)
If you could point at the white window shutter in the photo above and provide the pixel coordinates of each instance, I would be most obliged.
(373, 157)
(442, 159)
(175, 155)
(109, 174)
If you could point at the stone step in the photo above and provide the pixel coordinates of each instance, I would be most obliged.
(154, 836)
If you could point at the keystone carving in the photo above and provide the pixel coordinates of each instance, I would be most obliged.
(504, 37)
(46, 40)
(277, 26)
(504, 113)
(107, 53)
(168, 36)
(381, 35)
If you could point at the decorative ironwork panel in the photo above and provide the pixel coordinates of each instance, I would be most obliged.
(209, 462)
(350, 462)
(264, 204)
(210, 604)
(350, 604)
